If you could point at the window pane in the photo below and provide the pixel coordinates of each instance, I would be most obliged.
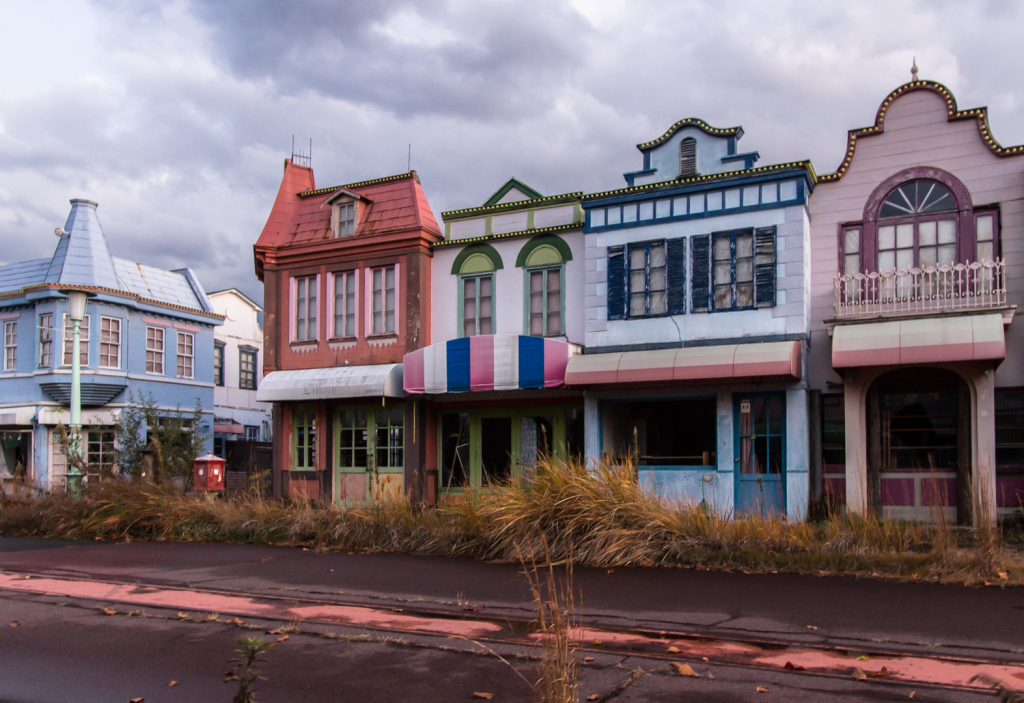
(723, 297)
(927, 255)
(886, 237)
(984, 252)
(852, 263)
(658, 302)
(629, 213)
(886, 260)
(926, 233)
(744, 245)
(696, 205)
(637, 258)
(714, 201)
(614, 215)
(637, 281)
(658, 279)
(947, 254)
(637, 305)
(904, 259)
(723, 248)
(744, 270)
(744, 295)
(984, 228)
(554, 280)
(723, 273)
(947, 231)
(852, 241)
(597, 218)
(905, 235)
(657, 255)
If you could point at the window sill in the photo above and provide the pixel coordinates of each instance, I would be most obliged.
(304, 345)
(381, 340)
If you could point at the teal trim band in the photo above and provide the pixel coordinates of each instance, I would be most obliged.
(485, 249)
(551, 239)
(505, 235)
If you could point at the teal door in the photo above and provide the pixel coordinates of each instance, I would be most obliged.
(760, 455)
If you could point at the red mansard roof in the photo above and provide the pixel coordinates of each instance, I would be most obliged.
(302, 214)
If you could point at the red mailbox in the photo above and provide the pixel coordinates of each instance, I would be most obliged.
(208, 473)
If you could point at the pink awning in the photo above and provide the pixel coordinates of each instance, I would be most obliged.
(228, 428)
(721, 361)
(919, 341)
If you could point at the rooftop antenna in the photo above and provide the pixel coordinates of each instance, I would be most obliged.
(913, 72)
(302, 159)
(408, 165)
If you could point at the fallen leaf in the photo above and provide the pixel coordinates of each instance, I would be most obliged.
(762, 689)
(610, 571)
(14, 623)
(862, 658)
(181, 615)
(140, 699)
(331, 570)
(1003, 575)
(704, 659)
(109, 611)
(673, 650)
(594, 697)
(588, 659)
(793, 667)
(482, 694)
(598, 643)
(283, 638)
(859, 674)
(173, 683)
(237, 621)
(812, 627)
(473, 608)
(684, 669)
(880, 673)
(912, 694)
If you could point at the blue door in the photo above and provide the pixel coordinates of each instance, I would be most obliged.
(760, 455)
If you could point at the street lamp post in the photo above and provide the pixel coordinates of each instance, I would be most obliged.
(76, 311)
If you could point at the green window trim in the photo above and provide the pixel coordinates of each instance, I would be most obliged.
(478, 328)
(472, 252)
(550, 240)
(545, 273)
(304, 438)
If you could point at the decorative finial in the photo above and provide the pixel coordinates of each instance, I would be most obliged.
(913, 72)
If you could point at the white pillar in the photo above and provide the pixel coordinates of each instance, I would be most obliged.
(854, 394)
(983, 426)
(592, 429)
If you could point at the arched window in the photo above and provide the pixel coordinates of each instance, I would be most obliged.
(543, 261)
(918, 218)
(917, 227)
(688, 157)
(475, 266)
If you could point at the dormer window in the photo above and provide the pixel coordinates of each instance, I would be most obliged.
(688, 157)
(344, 218)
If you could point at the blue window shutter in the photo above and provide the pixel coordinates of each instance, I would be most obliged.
(764, 267)
(616, 283)
(700, 261)
(675, 253)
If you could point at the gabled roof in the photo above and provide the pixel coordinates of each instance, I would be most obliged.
(302, 215)
(510, 185)
(82, 260)
(236, 292)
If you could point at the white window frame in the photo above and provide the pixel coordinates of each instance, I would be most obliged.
(186, 355)
(372, 312)
(345, 217)
(45, 340)
(109, 342)
(306, 281)
(83, 338)
(347, 304)
(11, 345)
(155, 353)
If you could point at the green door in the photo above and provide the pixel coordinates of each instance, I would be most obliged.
(370, 456)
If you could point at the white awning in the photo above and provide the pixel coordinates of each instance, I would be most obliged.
(373, 381)
(919, 341)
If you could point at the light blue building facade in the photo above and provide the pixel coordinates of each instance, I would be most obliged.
(147, 331)
(697, 290)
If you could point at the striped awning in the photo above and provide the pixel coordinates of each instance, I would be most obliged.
(709, 363)
(919, 341)
(494, 362)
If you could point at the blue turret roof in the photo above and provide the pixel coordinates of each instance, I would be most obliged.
(82, 258)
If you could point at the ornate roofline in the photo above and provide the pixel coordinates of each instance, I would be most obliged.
(709, 178)
(360, 184)
(979, 114)
(692, 122)
(111, 291)
(514, 205)
(506, 235)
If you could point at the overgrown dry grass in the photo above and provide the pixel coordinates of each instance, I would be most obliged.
(562, 512)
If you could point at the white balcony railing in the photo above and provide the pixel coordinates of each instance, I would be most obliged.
(920, 290)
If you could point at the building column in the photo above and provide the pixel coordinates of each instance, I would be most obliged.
(278, 448)
(797, 448)
(854, 394)
(983, 429)
(592, 429)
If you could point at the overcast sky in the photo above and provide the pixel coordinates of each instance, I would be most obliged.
(176, 116)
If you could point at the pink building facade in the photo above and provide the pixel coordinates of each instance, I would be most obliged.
(916, 259)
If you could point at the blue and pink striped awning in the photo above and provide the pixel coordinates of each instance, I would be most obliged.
(494, 362)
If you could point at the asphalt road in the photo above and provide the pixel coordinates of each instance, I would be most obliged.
(65, 647)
